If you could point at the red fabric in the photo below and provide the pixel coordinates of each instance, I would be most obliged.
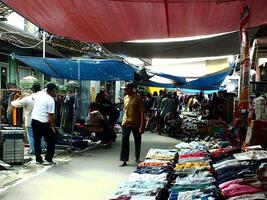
(193, 155)
(221, 151)
(121, 20)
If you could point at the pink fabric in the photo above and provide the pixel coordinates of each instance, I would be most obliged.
(235, 188)
(122, 20)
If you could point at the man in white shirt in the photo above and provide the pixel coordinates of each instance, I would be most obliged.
(43, 122)
(27, 103)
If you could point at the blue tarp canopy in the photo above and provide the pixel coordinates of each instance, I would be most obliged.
(100, 70)
(209, 82)
(176, 79)
(156, 84)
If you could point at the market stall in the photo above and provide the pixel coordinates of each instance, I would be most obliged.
(198, 170)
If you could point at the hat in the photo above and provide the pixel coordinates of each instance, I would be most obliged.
(128, 85)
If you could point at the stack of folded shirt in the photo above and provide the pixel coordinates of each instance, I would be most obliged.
(195, 180)
(151, 177)
(191, 167)
(192, 155)
(239, 187)
(256, 196)
(244, 169)
(200, 180)
(155, 163)
(243, 175)
(252, 155)
(161, 154)
(192, 195)
(142, 184)
(200, 146)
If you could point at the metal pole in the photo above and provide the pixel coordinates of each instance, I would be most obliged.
(43, 44)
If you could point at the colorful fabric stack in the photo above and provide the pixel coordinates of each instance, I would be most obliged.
(151, 178)
(193, 172)
(143, 184)
(240, 175)
(194, 178)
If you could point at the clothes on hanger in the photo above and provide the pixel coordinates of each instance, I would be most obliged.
(67, 111)
(261, 107)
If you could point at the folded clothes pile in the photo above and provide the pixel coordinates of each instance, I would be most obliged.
(194, 178)
(198, 171)
(161, 154)
(242, 175)
(151, 178)
(193, 155)
(201, 146)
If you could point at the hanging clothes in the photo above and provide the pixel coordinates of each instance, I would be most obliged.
(261, 107)
(58, 104)
(67, 111)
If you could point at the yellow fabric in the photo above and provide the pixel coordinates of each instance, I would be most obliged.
(151, 90)
(189, 165)
(133, 107)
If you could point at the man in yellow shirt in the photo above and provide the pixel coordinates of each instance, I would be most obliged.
(133, 121)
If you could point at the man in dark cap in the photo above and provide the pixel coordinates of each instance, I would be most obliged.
(27, 103)
(43, 123)
(133, 121)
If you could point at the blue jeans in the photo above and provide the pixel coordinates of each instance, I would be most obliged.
(31, 140)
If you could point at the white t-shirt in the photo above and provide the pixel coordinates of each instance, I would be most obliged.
(43, 104)
(27, 104)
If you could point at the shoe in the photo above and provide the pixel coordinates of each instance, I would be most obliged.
(43, 151)
(137, 161)
(46, 162)
(39, 162)
(107, 144)
(123, 164)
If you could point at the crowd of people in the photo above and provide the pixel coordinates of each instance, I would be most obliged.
(159, 106)
(140, 110)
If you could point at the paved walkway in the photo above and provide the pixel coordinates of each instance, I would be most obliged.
(90, 175)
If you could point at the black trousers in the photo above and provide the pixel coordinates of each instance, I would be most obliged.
(43, 129)
(126, 131)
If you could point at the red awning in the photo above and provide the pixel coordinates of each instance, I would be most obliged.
(122, 20)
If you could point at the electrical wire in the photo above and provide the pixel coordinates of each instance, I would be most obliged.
(23, 47)
(101, 55)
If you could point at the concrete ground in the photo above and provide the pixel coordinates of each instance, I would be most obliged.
(90, 175)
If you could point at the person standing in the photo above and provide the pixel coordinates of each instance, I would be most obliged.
(167, 106)
(43, 123)
(27, 103)
(133, 121)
